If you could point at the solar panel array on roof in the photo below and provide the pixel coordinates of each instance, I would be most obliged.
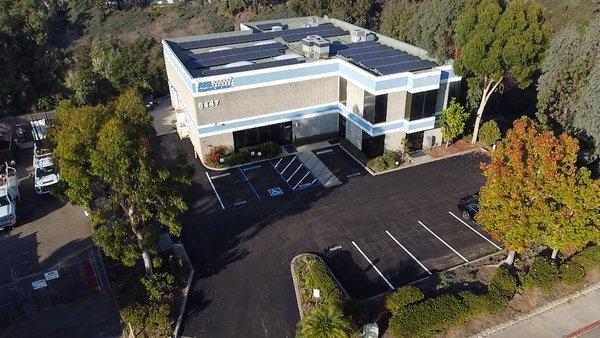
(263, 65)
(405, 67)
(322, 33)
(222, 60)
(390, 60)
(363, 49)
(231, 40)
(239, 50)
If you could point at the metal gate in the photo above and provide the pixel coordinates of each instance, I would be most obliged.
(62, 284)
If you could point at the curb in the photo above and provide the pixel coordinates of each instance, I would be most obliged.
(542, 309)
(186, 292)
(295, 281)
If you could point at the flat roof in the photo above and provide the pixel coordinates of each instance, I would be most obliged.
(276, 43)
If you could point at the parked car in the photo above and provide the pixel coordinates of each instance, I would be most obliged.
(469, 206)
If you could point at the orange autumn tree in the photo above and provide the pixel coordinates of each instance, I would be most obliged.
(535, 194)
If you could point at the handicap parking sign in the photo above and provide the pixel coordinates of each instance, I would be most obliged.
(275, 191)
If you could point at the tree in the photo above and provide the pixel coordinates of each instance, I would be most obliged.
(586, 119)
(324, 322)
(453, 121)
(489, 133)
(534, 193)
(398, 18)
(105, 160)
(499, 43)
(30, 67)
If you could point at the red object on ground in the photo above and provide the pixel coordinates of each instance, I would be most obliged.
(584, 330)
(90, 277)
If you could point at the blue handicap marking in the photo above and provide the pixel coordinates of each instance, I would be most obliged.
(275, 191)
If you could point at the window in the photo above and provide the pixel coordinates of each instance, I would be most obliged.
(423, 104)
(280, 133)
(4, 201)
(375, 110)
(372, 146)
(343, 90)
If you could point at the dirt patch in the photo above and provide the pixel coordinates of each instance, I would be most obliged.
(454, 148)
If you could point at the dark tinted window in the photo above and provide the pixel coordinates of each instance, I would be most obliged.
(423, 104)
(372, 146)
(380, 108)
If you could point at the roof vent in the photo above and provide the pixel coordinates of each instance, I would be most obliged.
(313, 21)
(276, 28)
(358, 35)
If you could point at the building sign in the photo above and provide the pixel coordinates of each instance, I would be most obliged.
(208, 104)
(50, 275)
(38, 284)
(215, 84)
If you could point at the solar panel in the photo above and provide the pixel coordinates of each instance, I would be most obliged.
(231, 40)
(367, 49)
(263, 65)
(268, 26)
(240, 50)
(376, 55)
(406, 67)
(222, 60)
(391, 60)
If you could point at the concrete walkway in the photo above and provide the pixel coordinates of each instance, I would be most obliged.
(566, 320)
(318, 168)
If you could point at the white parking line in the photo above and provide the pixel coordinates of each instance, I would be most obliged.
(475, 231)
(373, 265)
(215, 190)
(324, 151)
(294, 173)
(284, 169)
(302, 179)
(441, 240)
(251, 186)
(408, 252)
(278, 162)
(220, 175)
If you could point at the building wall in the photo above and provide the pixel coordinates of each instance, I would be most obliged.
(182, 92)
(396, 105)
(354, 134)
(316, 126)
(266, 100)
(442, 97)
(432, 137)
(394, 141)
(355, 99)
(206, 143)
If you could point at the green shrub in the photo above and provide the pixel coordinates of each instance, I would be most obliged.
(489, 133)
(385, 161)
(588, 258)
(313, 274)
(152, 320)
(572, 273)
(269, 149)
(324, 322)
(429, 317)
(542, 274)
(403, 296)
(240, 157)
(501, 290)
(476, 305)
(158, 285)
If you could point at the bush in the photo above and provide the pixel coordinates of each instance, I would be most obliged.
(240, 157)
(312, 274)
(489, 133)
(588, 258)
(215, 154)
(403, 296)
(572, 273)
(542, 274)
(154, 320)
(158, 285)
(324, 322)
(501, 289)
(385, 161)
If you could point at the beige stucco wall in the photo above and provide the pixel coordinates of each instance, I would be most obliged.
(394, 141)
(396, 105)
(266, 100)
(355, 99)
(354, 134)
(434, 135)
(184, 94)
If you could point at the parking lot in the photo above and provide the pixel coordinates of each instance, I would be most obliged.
(394, 229)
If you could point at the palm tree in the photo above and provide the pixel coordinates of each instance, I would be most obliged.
(326, 322)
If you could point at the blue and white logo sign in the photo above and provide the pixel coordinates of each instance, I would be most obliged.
(215, 84)
(275, 191)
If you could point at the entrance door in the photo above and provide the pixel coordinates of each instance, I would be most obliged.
(342, 126)
(415, 141)
(286, 137)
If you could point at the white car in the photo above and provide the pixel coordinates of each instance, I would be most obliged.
(45, 175)
(9, 197)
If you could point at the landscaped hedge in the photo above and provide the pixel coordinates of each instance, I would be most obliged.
(242, 156)
(385, 161)
(436, 315)
(542, 274)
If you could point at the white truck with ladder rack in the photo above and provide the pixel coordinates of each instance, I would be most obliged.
(9, 196)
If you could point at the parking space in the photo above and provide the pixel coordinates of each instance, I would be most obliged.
(231, 188)
(340, 163)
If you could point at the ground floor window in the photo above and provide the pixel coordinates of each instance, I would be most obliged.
(372, 146)
(414, 141)
(280, 133)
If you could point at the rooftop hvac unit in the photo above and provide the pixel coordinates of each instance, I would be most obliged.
(313, 21)
(276, 28)
(357, 35)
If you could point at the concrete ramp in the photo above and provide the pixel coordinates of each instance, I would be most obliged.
(321, 172)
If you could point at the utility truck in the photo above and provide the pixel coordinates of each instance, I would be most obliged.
(9, 196)
(45, 175)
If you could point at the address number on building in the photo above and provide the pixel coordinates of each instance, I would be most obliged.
(208, 104)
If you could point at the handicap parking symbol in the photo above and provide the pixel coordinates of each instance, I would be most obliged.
(275, 191)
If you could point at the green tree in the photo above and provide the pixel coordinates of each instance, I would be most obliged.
(489, 133)
(453, 121)
(497, 42)
(325, 322)
(397, 19)
(105, 159)
(30, 68)
(535, 194)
